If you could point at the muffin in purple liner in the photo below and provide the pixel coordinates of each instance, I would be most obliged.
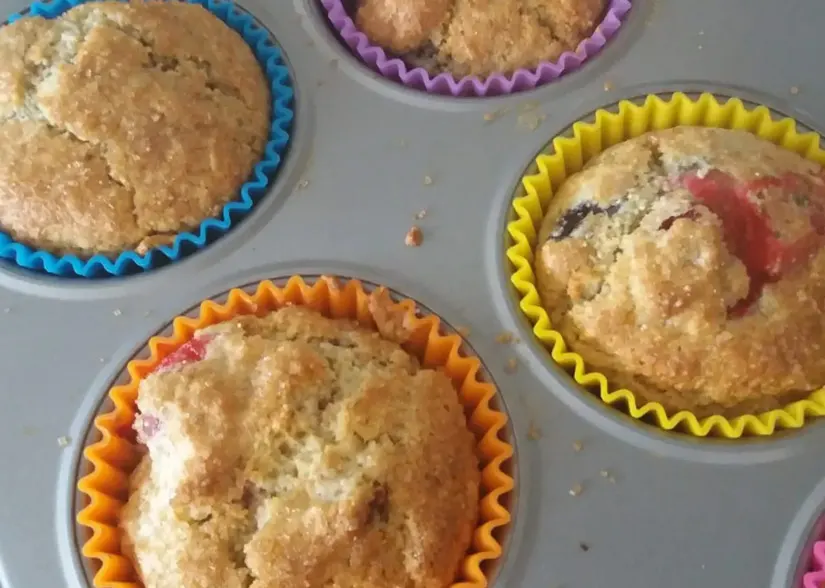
(472, 47)
(815, 578)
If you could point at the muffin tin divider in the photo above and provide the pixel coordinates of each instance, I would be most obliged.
(667, 511)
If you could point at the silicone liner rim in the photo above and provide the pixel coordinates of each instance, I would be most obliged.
(114, 455)
(270, 57)
(815, 578)
(395, 69)
(527, 210)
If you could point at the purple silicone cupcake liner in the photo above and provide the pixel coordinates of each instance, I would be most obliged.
(815, 578)
(418, 78)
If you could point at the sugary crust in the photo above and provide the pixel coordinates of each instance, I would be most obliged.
(301, 451)
(640, 275)
(122, 124)
(478, 37)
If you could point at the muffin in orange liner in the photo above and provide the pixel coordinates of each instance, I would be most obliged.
(116, 454)
(569, 154)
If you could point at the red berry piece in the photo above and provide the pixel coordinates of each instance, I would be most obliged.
(748, 230)
(190, 352)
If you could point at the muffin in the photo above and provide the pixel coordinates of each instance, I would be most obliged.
(477, 37)
(688, 266)
(123, 124)
(296, 450)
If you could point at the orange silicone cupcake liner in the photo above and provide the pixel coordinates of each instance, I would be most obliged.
(115, 455)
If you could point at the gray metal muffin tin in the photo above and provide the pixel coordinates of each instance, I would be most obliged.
(671, 512)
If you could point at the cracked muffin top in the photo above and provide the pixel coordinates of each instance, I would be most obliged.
(478, 37)
(688, 265)
(294, 450)
(122, 124)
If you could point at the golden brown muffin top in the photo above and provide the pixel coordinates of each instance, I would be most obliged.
(124, 124)
(688, 265)
(294, 450)
(479, 37)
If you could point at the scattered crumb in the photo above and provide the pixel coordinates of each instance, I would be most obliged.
(608, 86)
(699, 47)
(493, 115)
(101, 359)
(428, 180)
(584, 547)
(421, 214)
(530, 120)
(533, 432)
(303, 184)
(117, 312)
(504, 337)
(576, 490)
(794, 90)
(63, 441)
(511, 365)
(604, 474)
(414, 237)
(463, 331)
(701, 33)
(578, 446)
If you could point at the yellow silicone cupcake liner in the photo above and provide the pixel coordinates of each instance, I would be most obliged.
(569, 154)
(116, 454)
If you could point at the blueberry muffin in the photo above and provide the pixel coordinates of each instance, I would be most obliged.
(294, 450)
(123, 124)
(478, 37)
(688, 266)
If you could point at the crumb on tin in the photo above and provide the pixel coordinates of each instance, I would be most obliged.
(530, 120)
(533, 432)
(463, 331)
(608, 86)
(578, 446)
(117, 312)
(576, 490)
(303, 184)
(63, 441)
(421, 214)
(504, 337)
(584, 546)
(794, 90)
(414, 237)
(511, 365)
(428, 180)
(492, 115)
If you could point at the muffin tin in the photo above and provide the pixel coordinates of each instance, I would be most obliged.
(600, 497)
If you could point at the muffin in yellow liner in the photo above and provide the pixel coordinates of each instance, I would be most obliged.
(568, 156)
(116, 454)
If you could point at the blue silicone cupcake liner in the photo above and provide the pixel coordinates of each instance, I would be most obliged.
(130, 262)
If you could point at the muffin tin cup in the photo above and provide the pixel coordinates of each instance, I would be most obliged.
(498, 84)
(566, 157)
(270, 58)
(815, 578)
(112, 458)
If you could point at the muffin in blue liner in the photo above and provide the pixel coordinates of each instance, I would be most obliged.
(281, 115)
